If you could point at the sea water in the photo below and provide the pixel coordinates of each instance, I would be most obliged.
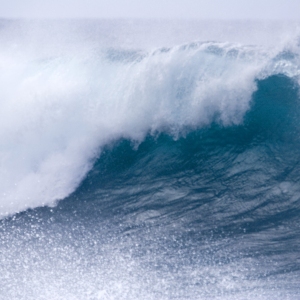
(149, 160)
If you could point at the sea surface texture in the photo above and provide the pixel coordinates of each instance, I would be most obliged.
(149, 160)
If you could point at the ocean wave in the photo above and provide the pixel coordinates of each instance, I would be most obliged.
(58, 112)
(178, 164)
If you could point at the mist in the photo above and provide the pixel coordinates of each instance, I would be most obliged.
(164, 9)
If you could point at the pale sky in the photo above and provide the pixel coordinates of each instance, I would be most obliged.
(182, 9)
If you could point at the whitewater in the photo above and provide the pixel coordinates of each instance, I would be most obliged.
(149, 160)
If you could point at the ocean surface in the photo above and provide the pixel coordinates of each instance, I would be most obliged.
(149, 160)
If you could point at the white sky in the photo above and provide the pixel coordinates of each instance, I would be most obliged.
(186, 9)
